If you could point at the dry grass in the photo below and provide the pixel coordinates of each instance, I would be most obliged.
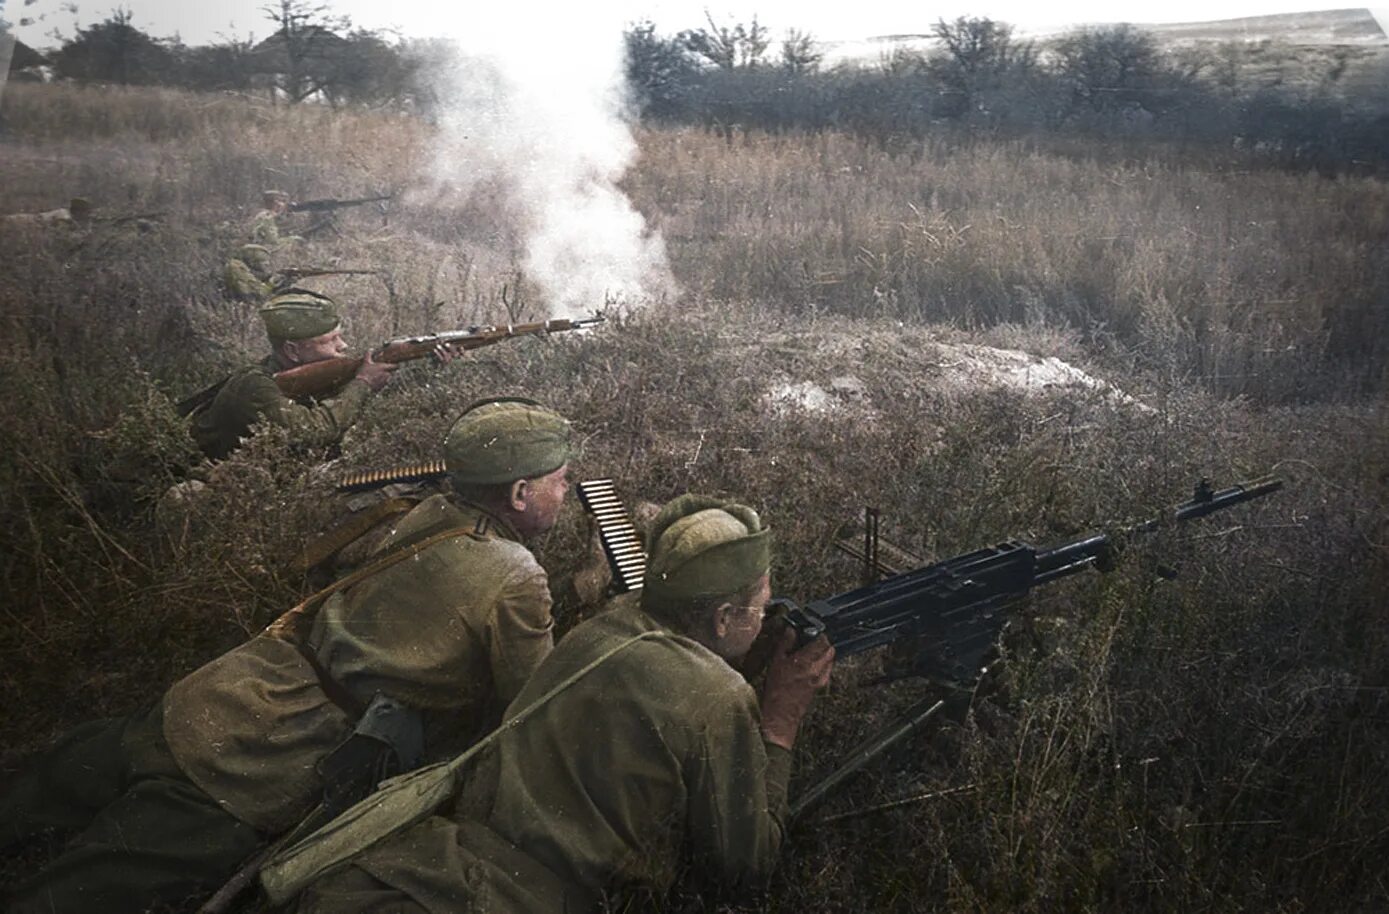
(1214, 742)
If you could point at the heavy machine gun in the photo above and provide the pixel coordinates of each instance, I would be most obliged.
(952, 612)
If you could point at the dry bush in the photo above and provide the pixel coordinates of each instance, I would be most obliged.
(1212, 741)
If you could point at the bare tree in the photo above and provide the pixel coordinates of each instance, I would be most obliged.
(728, 47)
(301, 53)
(978, 52)
(1112, 67)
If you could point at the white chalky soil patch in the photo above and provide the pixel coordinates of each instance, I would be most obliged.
(956, 368)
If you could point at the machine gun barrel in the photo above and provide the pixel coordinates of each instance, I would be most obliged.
(955, 608)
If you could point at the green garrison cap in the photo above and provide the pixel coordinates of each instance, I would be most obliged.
(505, 439)
(299, 314)
(704, 547)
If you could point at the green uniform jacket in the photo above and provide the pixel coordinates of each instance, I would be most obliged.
(251, 395)
(655, 756)
(452, 632)
(243, 284)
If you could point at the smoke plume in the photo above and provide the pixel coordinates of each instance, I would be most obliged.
(534, 108)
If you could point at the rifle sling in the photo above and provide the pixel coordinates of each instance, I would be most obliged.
(293, 626)
(323, 547)
(200, 400)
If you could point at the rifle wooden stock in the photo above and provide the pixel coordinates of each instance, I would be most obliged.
(324, 378)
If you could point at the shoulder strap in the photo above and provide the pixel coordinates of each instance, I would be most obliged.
(399, 803)
(292, 625)
(326, 545)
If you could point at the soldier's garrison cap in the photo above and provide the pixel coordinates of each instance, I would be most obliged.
(702, 547)
(504, 439)
(298, 314)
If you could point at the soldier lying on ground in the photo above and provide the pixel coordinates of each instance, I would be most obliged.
(607, 777)
(78, 212)
(248, 276)
(303, 327)
(420, 656)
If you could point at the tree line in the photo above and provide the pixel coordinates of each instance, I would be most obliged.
(978, 75)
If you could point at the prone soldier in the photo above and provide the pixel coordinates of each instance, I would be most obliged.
(409, 659)
(248, 276)
(303, 327)
(635, 745)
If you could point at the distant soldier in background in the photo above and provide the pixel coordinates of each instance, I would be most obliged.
(412, 659)
(248, 276)
(78, 212)
(303, 327)
(265, 224)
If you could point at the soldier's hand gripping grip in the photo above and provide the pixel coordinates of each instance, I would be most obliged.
(774, 622)
(807, 625)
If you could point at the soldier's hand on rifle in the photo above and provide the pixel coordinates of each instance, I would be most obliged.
(376, 374)
(793, 677)
(442, 354)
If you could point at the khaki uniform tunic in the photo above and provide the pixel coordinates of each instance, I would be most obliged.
(452, 632)
(243, 284)
(251, 395)
(654, 756)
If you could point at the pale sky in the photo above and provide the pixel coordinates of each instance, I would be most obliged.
(202, 21)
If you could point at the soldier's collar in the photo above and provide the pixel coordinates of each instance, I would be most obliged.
(484, 523)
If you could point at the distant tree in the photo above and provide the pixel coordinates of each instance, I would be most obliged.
(976, 55)
(368, 70)
(1113, 68)
(227, 65)
(800, 53)
(728, 47)
(659, 70)
(301, 54)
(114, 51)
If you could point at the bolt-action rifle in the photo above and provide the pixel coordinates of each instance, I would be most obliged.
(330, 205)
(952, 612)
(324, 378)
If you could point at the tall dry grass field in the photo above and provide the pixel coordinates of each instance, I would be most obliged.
(1212, 742)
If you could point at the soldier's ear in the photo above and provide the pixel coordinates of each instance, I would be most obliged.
(518, 495)
(721, 619)
(289, 350)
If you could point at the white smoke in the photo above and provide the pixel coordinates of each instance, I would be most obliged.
(534, 108)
